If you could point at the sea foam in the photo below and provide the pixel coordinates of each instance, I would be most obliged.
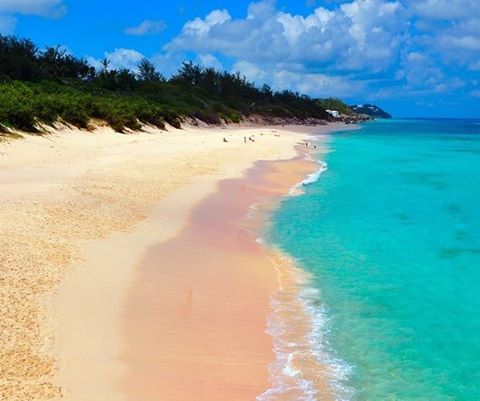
(297, 305)
(297, 189)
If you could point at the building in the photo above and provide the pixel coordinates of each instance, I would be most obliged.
(333, 113)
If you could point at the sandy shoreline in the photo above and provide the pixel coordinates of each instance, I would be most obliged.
(201, 299)
(94, 201)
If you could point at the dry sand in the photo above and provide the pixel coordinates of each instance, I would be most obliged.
(78, 211)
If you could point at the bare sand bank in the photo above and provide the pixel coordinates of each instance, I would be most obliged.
(78, 211)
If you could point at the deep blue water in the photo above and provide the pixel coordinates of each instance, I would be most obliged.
(391, 235)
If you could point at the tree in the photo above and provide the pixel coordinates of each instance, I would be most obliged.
(210, 81)
(147, 72)
(105, 62)
(18, 58)
(189, 74)
(125, 80)
(267, 92)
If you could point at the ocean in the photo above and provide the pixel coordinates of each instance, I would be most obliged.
(389, 238)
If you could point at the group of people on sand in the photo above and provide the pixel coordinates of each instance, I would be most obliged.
(250, 138)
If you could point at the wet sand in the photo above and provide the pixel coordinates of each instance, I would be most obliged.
(195, 321)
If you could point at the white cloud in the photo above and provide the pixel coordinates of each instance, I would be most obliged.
(445, 9)
(420, 71)
(119, 58)
(7, 24)
(94, 62)
(305, 53)
(124, 58)
(209, 61)
(449, 28)
(168, 63)
(347, 46)
(44, 8)
(314, 84)
(420, 75)
(147, 27)
(199, 27)
(361, 34)
(250, 70)
(458, 42)
(261, 10)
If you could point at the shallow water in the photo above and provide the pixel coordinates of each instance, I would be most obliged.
(390, 234)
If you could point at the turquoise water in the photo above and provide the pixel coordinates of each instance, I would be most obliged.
(391, 235)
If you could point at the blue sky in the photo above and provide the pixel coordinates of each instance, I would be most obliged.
(413, 57)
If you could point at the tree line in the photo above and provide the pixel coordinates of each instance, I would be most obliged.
(194, 91)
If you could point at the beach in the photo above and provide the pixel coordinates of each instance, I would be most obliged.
(128, 268)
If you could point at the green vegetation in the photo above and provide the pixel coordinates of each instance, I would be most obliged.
(51, 85)
(332, 103)
(370, 110)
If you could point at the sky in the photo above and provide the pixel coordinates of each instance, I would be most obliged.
(415, 58)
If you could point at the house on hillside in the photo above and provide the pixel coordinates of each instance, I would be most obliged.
(333, 113)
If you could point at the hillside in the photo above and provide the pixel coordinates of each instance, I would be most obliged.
(42, 87)
(370, 110)
(335, 104)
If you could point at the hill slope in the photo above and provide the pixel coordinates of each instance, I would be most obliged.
(370, 110)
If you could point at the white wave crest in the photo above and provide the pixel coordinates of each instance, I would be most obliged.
(287, 379)
(297, 189)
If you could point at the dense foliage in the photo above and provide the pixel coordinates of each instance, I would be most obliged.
(50, 85)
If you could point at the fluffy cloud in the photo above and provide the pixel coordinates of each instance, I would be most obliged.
(315, 54)
(119, 58)
(444, 9)
(199, 27)
(420, 71)
(124, 58)
(457, 43)
(147, 27)
(450, 28)
(44, 8)
(357, 35)
(344, 46)
(250, 70)
(209, 61)
(315, 84)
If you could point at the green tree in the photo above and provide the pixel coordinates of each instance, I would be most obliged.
(18, 59)
(147, 72)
